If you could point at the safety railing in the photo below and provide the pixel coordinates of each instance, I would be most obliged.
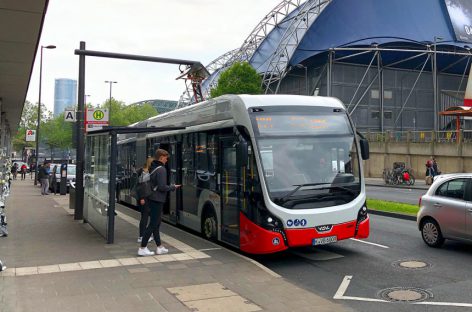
(465, 136)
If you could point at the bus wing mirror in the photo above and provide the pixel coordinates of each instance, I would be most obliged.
(242, 152)
(364, 149)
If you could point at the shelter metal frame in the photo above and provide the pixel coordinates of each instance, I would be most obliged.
(193, 67)
(113, 133)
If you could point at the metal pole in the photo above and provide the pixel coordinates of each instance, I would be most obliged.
(39, 117)
(112, 189)
(79, 197)
(330, 69)
(435, 85)
(306, 80)
(381, 91)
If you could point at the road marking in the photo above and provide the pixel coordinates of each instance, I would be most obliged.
(451, 304)
(369, 243)
(342, 290)
(339, 295)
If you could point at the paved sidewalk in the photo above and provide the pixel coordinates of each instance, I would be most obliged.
(58, 264)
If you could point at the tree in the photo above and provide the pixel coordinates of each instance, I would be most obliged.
(125, 115)
(28, 120)
(57, 133)
(239, 78)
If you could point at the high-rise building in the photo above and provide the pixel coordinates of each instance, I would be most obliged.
(65, 94)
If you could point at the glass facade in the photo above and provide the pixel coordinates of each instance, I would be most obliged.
(65, 95)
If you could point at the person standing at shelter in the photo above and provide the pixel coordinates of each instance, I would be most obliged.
(143, 191)
(156, 200)
(43, 176)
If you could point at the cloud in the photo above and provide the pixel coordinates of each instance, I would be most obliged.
(186, 29)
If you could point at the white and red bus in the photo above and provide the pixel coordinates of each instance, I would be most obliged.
(262, 173)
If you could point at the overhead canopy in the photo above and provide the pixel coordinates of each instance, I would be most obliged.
(461, 111)
(20, 29)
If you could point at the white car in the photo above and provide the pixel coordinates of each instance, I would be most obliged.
(56, 176)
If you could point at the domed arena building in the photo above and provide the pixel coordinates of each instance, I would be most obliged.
(395, 64)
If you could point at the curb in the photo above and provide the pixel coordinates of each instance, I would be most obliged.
(392, 215)
(399, 186)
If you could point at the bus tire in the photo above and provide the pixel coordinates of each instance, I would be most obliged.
(209, 224)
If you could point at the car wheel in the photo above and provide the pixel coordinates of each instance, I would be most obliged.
(431, 233)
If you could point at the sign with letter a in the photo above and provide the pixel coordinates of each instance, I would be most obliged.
(69, 115)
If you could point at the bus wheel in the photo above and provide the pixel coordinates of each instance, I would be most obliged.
(209, 225)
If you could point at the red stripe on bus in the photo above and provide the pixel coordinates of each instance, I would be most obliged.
(363, 229)
(257, 240)
(304, 237)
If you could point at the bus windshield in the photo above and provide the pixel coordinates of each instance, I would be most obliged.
(315, 167)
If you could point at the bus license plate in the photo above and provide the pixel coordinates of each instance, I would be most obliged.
(324, 240)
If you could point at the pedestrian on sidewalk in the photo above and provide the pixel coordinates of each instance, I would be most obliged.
(435, 167)
(14, 170)
(43, 176)
(157, 199)
(142, 192)
(23, 171)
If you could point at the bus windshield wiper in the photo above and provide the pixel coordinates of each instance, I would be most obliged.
(287, 196)
(339, 188)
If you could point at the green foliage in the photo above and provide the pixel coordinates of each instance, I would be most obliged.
(240, 78)
(125, 115)
(28, 120)
(375, 204)
(56, 132)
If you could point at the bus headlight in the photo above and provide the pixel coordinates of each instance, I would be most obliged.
(362, 215)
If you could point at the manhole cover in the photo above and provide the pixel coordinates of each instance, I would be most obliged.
(405, 294)
(411, 264)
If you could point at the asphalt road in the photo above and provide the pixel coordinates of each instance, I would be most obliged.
(358, 271)
(401, 195)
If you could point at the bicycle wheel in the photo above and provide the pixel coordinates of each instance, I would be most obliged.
(412, 180)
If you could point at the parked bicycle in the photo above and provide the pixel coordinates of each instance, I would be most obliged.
(399, 175)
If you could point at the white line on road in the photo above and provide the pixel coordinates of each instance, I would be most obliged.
(339, 295)
(342, 290)
(374, 244)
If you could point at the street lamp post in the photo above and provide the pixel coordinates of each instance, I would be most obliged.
(109, 110)
(435, 83)
(306, 77)
(39, 110)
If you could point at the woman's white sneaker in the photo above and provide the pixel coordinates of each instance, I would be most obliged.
(143, 252)
(161, 250)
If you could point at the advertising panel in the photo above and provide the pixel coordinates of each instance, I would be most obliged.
(460, 12)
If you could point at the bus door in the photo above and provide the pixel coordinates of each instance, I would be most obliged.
(175, 166)
(230, 186)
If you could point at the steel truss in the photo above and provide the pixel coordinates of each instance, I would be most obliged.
(246, 51)
(431, 54)
(299, 25)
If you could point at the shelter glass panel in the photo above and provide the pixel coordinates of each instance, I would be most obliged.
(97, 173)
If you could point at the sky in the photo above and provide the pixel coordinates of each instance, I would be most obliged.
(199, 30)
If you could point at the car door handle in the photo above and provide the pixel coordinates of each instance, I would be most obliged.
(437, 205)
(470, 209)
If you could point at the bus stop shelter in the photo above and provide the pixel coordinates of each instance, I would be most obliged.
(100, 176)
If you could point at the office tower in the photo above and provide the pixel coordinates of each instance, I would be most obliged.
(65, 94)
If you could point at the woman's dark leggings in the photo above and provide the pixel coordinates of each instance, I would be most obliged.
(154, 223)
(143, 223)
